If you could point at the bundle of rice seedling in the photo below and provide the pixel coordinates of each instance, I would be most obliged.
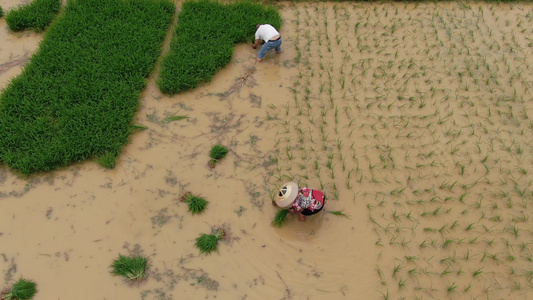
(217, 153)
(131, 267)
(196, 203)
(280, 217)
(208, 243)
(21, 290)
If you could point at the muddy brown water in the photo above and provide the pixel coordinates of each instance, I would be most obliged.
(413, 118)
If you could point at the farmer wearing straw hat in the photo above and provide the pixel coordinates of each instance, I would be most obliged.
(303, 200)
(270, 36)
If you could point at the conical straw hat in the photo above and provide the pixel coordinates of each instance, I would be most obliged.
(287, 194)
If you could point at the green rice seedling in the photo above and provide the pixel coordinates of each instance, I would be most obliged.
(137, 127)
(1, 12)
(477, 272)
(208, 243)
(36, 15)
(516, 285)
(108, 160)
(447, 242)
(196, 203)
(21, 290)
(470, 226)
(451, 288)
(217, 153)
(396, 269)
(385, 296)
(173, 118)
(338, 213)
(468, 287)
(280, 217)
(132, 268)
(401, 283)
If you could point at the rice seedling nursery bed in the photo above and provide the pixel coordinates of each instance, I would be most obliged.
(205, 37)
(35, 15)
(77, 96)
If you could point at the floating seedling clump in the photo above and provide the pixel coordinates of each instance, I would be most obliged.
(22, 289)
(131, 267)
(217, 153)
(280, 217)
(208, 243)
(196, 203)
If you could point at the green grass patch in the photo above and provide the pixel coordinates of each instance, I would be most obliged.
(21, 290)
(36, 15)
(204, 40)
(1, 12)
(76, 98)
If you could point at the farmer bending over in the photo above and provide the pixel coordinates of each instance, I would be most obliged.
(270, 36)
(302, 200)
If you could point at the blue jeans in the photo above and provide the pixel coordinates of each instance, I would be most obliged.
(269, 46)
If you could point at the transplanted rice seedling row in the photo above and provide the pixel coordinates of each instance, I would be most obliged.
(204, 40)
(36, 15)
(422, 116)
(77, 96)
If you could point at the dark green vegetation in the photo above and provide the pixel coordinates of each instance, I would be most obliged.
(204, 40)
(217, 153)
(208, 243)
(131, 267)
(76, 98)
(196, 203)
(36, 15)
(22, 289)
(280, 217)
(1, 12)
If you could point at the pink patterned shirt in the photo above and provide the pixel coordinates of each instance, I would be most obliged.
(308, 199)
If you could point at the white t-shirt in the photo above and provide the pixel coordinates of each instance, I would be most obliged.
(265, 32)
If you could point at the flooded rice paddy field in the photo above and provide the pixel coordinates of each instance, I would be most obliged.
(415, 119)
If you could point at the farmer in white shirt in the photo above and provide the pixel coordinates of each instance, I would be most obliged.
(270, 36)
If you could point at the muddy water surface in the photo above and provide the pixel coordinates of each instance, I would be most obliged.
(414, 119)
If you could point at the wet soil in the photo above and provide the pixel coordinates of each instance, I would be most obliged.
(414, 119)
